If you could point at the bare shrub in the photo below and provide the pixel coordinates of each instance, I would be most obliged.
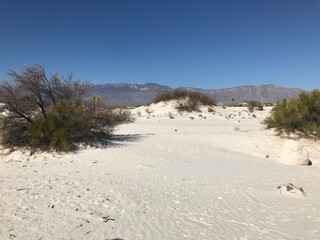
(210, 109)
(164, 96)
(187, 100)
(51, 113)
(187, 105)
(254, 105)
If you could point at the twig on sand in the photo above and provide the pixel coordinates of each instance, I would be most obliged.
(86, 233)
(22, 189)
(107, 218)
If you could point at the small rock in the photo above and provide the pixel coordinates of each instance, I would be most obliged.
(292, 189)
(292, 153)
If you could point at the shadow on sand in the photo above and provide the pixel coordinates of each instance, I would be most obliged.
(116, 140)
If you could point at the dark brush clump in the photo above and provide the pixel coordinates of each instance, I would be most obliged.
(187, 100)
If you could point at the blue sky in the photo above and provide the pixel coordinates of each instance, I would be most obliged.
(206, 44)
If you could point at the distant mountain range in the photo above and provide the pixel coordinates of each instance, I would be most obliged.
(137, 94)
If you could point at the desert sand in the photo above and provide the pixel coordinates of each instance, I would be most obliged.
(200, 175)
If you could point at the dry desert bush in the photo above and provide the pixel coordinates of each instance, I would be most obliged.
(254, 105)
(187, 100)
(51, 113)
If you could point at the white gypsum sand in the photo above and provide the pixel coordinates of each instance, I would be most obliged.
(215, 176)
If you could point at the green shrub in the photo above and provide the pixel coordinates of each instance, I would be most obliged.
(65, 124)
(300, 115)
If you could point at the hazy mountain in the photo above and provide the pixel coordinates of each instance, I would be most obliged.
(127, 94)
(263, 93)
(136, 94)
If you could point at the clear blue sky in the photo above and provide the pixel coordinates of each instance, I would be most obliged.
(197, 43)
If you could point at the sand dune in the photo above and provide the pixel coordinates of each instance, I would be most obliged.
(200, 175)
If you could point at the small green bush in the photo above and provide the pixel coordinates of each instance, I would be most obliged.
(187, 100)
(300, 115)
(63, 126)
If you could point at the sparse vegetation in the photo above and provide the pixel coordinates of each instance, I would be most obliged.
(254, 105)
(300, 115)
(269, 104)
(210, 109)
(51, 113)
(187, 100)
